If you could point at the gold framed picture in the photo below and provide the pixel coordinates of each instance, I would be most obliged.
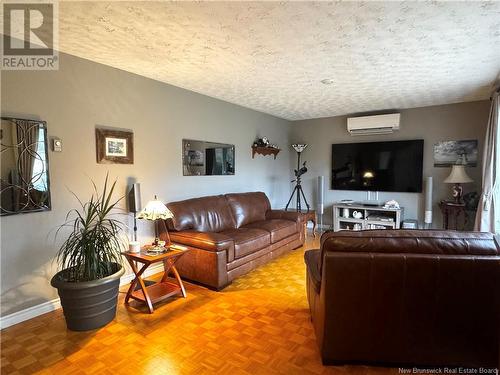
(114, 146)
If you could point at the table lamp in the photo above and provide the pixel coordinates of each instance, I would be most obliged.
(457, 176)
(156, 210)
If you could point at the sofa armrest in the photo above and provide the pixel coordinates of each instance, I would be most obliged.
(203, 240)
(312, 259)
(284, 215)
(208, 241)
(297, 217)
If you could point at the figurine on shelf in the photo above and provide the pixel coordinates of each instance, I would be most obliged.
(263, 142)
(263, 147)
(357, 215)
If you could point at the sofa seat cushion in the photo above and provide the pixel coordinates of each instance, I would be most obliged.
(279, 229)
(248, 240)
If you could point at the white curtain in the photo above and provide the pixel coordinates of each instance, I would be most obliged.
(488, 210)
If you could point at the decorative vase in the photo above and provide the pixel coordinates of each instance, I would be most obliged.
(345, 213)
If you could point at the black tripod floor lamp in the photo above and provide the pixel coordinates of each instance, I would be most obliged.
(297, 190)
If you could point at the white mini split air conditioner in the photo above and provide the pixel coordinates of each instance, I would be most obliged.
(369, 125)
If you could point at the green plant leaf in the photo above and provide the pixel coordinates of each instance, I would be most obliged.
(93, 246)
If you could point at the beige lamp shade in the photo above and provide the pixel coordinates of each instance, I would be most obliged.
(458, 175)
(155, 210)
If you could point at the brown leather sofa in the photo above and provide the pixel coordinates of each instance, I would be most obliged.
(230, 235)
(406, 297)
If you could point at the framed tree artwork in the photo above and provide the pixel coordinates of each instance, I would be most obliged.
(114, 146)
(448, 153)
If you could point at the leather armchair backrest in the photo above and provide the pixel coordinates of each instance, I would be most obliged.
(411, 308)
(429, 297)
(435, 242)
(206, 214)
(248, 207)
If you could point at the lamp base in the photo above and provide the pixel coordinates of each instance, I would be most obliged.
(457, 192)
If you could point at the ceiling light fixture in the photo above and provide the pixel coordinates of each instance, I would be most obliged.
(327, 81)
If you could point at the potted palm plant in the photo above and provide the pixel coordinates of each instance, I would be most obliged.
(90, 262)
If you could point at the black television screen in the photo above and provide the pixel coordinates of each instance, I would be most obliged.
(378, 166)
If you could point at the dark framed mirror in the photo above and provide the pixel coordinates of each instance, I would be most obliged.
(201, 158)
(24, 180)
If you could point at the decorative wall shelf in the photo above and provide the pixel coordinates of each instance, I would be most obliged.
(265, 151)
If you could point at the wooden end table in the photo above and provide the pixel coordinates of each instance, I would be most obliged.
(451, 215)
(308, 216)
(311, 216)
(162, 289)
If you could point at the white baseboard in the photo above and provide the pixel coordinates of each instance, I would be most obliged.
(46, 307)
(29, 313)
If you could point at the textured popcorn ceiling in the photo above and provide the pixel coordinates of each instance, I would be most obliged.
(271, 56)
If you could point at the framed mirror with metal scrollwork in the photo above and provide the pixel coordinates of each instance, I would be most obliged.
(24, 180)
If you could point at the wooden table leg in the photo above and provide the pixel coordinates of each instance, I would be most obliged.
(456, 219)
(133, 283)
(168, 265)
(179, 281)
(445, 219)
(139, 280)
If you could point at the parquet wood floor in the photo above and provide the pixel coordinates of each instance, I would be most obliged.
(258, 325)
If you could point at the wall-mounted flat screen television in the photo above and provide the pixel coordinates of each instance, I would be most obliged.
(378, 166)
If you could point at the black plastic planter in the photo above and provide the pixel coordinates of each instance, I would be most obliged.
(90, 304)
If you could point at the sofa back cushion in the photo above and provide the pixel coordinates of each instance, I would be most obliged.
(206, 214)
(432, 242)
(248, 207)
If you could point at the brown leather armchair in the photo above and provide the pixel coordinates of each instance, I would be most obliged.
(406, 297)
(230, 235)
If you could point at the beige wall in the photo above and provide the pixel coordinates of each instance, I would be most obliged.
(432, 124)
(83, 95)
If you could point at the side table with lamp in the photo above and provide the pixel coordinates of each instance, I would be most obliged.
(162, 289)
(453, 210)
(155, 210)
